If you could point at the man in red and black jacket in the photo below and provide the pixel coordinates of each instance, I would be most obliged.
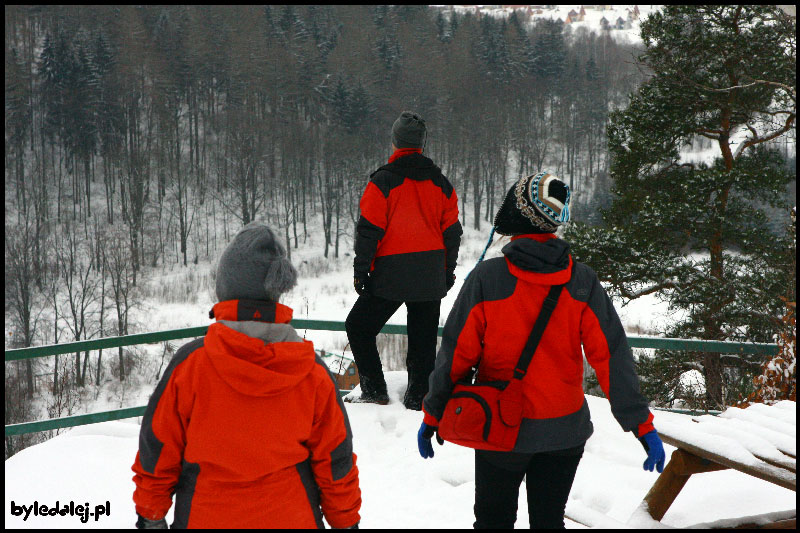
(406, 248)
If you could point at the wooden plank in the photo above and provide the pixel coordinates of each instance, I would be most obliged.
(783, 442)
(787, 463)
(688, 464)
(780, 524)
(774, 412)
(744, 432)
(774, 520)
(760, 421)
(667, 487)
(779, 476)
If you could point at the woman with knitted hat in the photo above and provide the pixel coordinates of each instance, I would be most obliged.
(489, 329)
(246, 427)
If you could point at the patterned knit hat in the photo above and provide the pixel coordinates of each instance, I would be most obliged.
(535, 204)
(254, 267)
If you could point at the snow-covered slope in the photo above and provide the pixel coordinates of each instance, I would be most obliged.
(399, 489)
(591, 19)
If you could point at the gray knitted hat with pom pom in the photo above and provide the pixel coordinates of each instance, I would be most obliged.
(254, 267)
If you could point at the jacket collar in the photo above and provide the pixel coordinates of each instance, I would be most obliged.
(539, 237)
(251, 310)
(401, 152)
(410, 163)
(539, 258)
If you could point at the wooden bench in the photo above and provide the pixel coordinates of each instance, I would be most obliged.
(759, 441)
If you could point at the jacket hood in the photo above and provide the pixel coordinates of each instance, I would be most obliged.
(413, 165)
(539, 258)
(257, 358)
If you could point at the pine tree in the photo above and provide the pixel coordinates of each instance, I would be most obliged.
(492, 50)
(549, 50)
(17, 119)
(692, 232)
(440, 27)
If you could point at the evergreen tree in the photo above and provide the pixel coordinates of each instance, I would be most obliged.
(549, 50)
(692, 232)
(440, 24)
(360, 107)
(17, 119)
(492, 50)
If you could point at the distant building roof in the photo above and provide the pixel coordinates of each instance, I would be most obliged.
(337, 363)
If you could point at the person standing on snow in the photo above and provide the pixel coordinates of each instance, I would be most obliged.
(246, 426)
(406, 248)
(488, 328)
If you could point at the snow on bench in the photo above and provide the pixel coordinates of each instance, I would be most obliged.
(760, 441)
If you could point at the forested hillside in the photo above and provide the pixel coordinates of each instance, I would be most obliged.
(145, 136)
(140, 139)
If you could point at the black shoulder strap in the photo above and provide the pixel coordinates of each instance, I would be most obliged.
(538, 330)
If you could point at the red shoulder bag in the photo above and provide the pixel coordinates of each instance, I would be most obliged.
(487, 415)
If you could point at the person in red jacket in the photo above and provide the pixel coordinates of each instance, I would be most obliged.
(406, 248)
(488, 328)
(246, 427)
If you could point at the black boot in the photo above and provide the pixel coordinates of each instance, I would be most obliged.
(415, 393)
(373, 390)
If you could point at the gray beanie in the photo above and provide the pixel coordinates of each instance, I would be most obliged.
(408, 131)
(254, 267)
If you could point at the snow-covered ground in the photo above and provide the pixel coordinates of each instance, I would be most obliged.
(591, 20)
(91, 464)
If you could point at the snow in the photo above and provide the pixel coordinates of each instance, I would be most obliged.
(400, 489)
(760, 442)
(745, 436)
(591, 21)
(694, 382)
(768, 424)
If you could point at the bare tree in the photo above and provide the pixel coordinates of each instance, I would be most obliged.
(22, 297)
(117, 264)
(80, 285)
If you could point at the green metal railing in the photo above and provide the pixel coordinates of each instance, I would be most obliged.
(325, 325)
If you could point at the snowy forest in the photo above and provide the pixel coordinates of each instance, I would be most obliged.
(144, 137)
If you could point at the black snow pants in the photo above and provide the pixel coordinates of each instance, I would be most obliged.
(369, 314)
(548, 479)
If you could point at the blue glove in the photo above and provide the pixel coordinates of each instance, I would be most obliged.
(655, 451)
(424, 436)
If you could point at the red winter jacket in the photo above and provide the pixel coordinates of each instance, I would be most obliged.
(408, 236)
(247, 429)
(491, 321)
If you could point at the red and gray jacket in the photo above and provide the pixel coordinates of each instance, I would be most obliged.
(490, 323)
(247, 430)
(408, 235)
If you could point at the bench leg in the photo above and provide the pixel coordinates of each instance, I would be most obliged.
(669, 484)
(666, 488)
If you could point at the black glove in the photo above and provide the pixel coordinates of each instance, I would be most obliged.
(429, 431)
(144, 523)
(360, 283)
(451, 280)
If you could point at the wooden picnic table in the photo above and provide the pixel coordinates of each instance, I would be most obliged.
(759, 441)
